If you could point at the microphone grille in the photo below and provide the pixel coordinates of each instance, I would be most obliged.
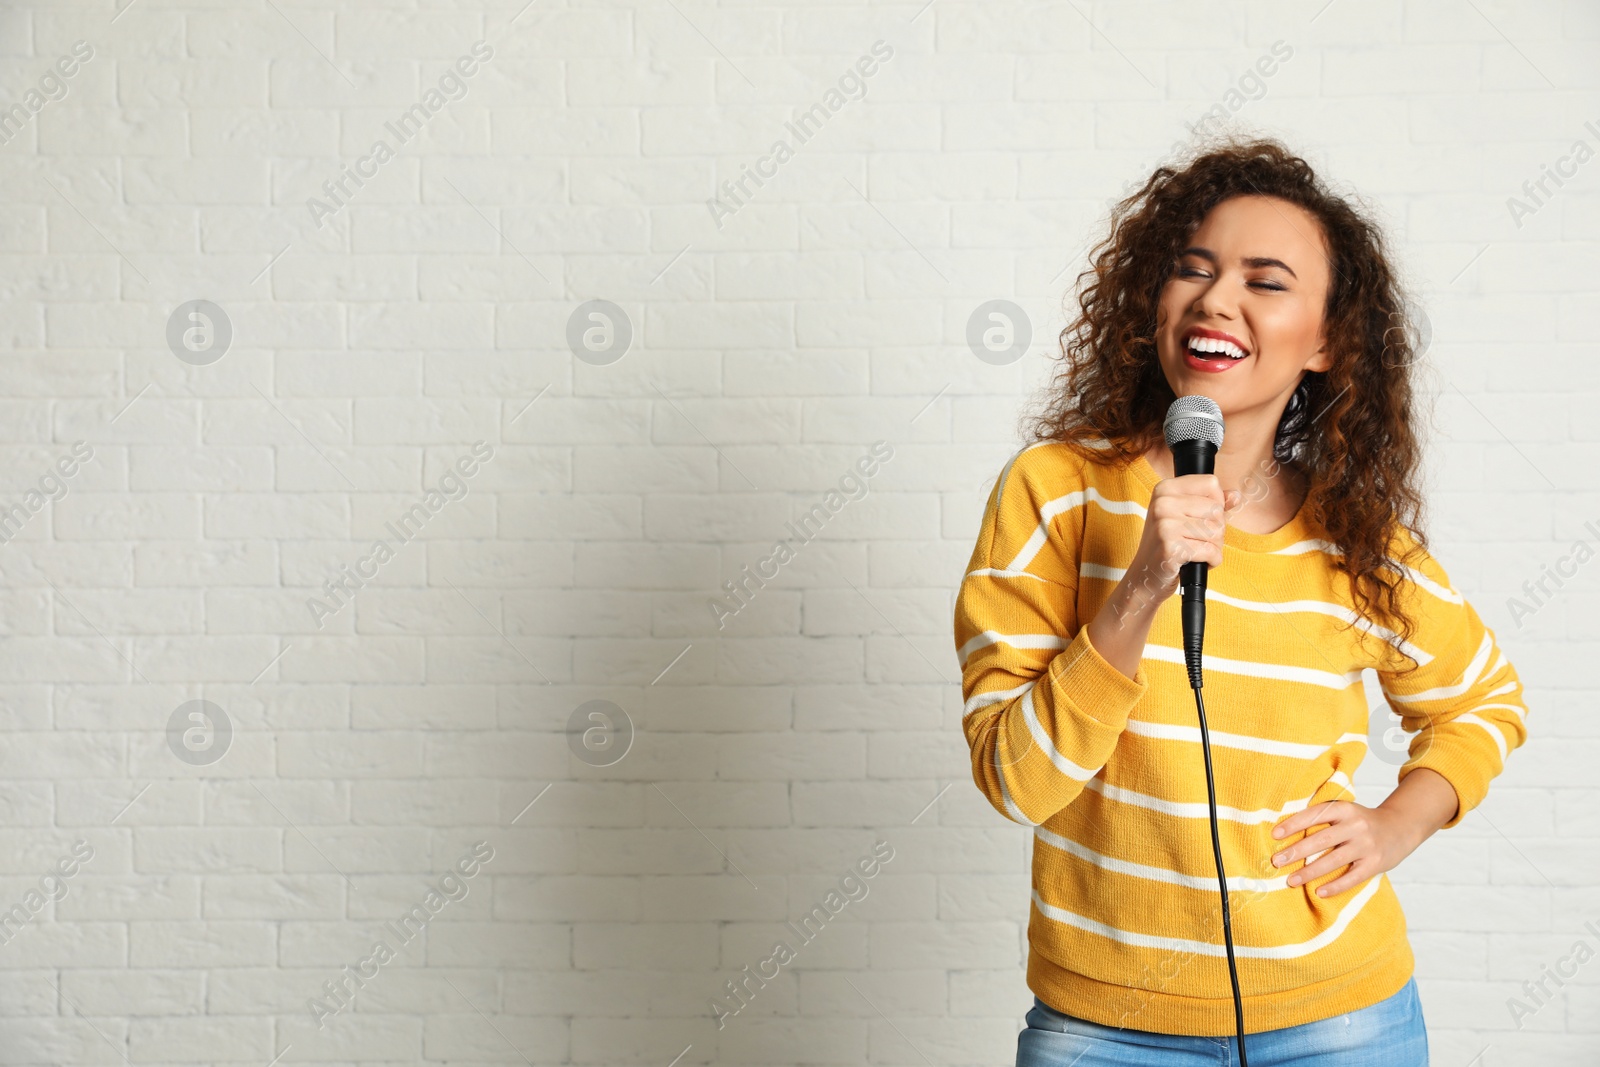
(1193, 418)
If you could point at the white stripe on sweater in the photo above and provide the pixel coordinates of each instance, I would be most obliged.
(1312, 544)
(1001, 572)
(1277, 952)
(1469, 678)
(995, 637)
(1047, 745)
(1492, 730)
(1266, 746)
(994, 696)
(1424, 582)
(1237, 883)
(1059, 506)
(1011, 809)
(1197, 810)
(1251, 669)
(1520, 713)
(1337, 611)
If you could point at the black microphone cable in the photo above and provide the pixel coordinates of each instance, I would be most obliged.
(1222, 880)
(1193, 430)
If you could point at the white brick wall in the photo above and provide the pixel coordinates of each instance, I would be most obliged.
(828, 312)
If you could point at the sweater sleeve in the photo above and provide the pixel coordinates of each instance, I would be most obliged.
(1043, 710)
(1464, 700)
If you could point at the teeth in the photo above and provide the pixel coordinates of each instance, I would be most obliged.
(1213, 344)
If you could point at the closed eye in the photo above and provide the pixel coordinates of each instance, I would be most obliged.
(1268, 286)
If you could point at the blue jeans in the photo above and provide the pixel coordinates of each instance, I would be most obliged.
(1390, 1033)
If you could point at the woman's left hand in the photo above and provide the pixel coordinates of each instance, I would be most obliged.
(1369, 840)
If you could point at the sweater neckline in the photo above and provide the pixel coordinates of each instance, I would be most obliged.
(1296, 529)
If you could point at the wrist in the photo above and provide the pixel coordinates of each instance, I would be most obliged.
(1120, 628)
(1421, 804)
(1408, 826)
(1136, 599)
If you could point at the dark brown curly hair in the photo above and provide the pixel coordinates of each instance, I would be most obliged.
(1348, 429)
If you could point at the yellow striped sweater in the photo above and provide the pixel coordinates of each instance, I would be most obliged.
(1125, 926)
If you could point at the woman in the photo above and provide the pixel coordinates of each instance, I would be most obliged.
(1239, 277)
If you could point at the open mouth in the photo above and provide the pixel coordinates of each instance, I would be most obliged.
(1211, 348)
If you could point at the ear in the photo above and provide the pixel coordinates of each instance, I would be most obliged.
(1323, 359)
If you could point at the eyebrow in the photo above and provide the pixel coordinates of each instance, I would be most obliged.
(1252, 261)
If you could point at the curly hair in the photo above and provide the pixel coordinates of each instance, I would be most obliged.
(1348, 429)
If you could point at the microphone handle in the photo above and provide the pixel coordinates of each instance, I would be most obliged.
(1193, 457)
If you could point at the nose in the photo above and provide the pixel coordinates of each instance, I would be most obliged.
(1215, 300)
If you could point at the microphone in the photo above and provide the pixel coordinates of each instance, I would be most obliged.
(1193, 429)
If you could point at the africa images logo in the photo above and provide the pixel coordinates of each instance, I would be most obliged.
(452, 86)
(340, 590)
(852, 887)
(853, 485)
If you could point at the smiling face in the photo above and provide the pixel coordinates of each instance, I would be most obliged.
(1240, 318)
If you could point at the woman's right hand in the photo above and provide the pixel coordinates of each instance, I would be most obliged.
(1183, 524)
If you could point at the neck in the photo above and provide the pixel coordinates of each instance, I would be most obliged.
(1244, 461)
